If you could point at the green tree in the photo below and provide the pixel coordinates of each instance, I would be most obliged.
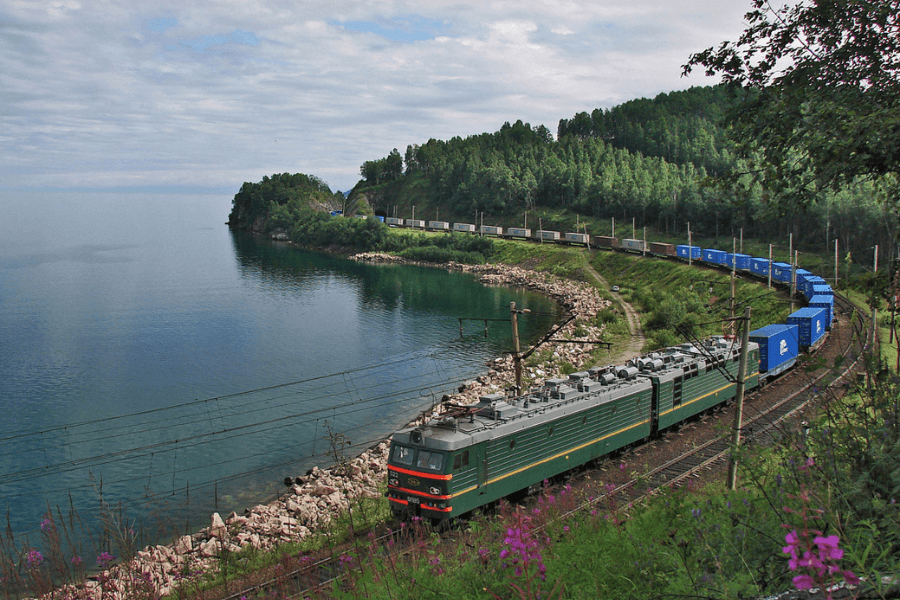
(822, 102)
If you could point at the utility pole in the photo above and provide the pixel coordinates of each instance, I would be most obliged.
(733, 273)
(770, 266)
(739, 400)
(835, 263)
(613, 227)
(794, 262)
(517, 360)
(876, 258)
(690, 246)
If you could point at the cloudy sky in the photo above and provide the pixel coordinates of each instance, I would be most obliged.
(207, 95)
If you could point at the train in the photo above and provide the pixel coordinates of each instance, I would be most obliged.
(506, 446)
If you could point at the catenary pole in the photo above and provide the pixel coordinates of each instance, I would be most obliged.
(739, 400)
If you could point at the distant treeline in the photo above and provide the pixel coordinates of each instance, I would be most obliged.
(654, 160)
(651, 160)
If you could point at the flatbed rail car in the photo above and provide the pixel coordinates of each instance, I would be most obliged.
(661, 249)
(606, 241)
(475, 455)
(518, 232)
(632, 245)
(581, 239)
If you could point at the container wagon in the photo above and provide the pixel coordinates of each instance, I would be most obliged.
(394, 222)
(811, 322)
(518, 232)
(716, 257)
(741, 262)
(779, 346)
(759, 266)
(438, 225)
(606, 241)
(577, 238)
(415, 223)
(806, 288)
(827, 304)
(632, 245)
(547, 236)
(661, 249)
(464, 227)
(688, 252)
(491, 230)
(781, 272)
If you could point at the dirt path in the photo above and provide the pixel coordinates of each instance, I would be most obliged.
(636, 342)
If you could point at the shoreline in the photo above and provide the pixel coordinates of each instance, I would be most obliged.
(315, 499)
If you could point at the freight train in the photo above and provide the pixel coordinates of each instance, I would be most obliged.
(503, 446)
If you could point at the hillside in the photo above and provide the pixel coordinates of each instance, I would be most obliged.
(658, 163)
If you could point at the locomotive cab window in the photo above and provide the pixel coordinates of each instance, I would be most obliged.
(432, 461)
(461, 460)
(402, 455)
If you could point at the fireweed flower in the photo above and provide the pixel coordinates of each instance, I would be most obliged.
(105, 559)
(816, 561)
(34, 559)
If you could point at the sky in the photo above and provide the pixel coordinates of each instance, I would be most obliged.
(203, 96)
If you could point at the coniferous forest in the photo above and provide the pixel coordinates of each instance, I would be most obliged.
(659, 163)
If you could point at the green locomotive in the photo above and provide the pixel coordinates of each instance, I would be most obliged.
(474, 455)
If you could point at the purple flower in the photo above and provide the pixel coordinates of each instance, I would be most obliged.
(34, 559)
(105, 559)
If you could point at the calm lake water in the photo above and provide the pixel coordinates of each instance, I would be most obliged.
(155, 361)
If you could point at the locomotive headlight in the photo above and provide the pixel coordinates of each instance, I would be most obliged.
(394, 482)
(434, 491)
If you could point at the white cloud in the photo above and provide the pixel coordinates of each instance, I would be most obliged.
(109, 94)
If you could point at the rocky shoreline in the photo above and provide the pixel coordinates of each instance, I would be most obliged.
(313, 500)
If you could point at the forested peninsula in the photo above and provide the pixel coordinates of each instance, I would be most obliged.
(660, 163)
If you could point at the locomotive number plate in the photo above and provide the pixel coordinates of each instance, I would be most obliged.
(413, 500)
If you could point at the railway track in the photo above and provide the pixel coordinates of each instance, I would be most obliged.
(763, 420)
(765, 413)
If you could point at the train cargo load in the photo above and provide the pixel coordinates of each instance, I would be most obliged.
(684, 251)
(394, 222)
(741, 262)
(826, 303)
(759, 266)
(716, 257)
(662, 249)
(438, 225)
(812, 322)
(577, 238)
(518, 232)
(821, 290)
(415, 223)
(781, 272)
(632, 245)
(550, 236)
(464, 227)
(779, 346)
(606, 241)
(491, 230)
(806, 287)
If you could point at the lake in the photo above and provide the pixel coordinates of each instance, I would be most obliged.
(157, 364)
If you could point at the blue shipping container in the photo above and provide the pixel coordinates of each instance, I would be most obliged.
(778, 347)
(781, 272)
(822, 290)
(826, 303)
(743, 260)
(807, 286)
(714, 256)
(812, 324)
(683, 250)
(760, 266)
